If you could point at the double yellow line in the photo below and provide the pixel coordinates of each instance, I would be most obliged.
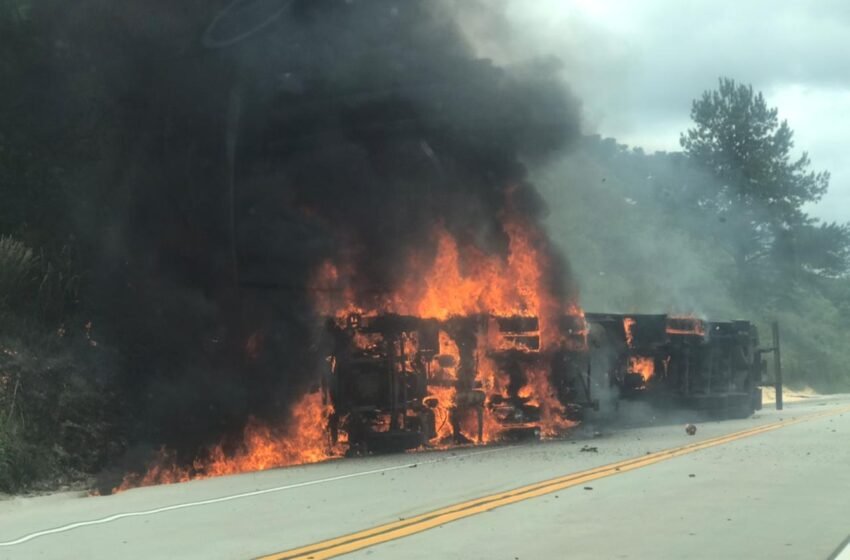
(399, 529)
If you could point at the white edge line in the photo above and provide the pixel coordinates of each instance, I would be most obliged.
(843, 552)
(117, 516)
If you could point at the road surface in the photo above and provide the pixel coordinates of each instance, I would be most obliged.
(773, 486)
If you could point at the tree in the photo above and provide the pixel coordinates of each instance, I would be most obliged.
(759, 188)
(818, 248)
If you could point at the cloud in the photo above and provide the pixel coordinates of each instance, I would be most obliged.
(637, 66)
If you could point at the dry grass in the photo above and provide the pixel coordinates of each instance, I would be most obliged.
(768, 394)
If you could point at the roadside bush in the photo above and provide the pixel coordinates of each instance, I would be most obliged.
(57, 409)
(18, 265)
(22, 463)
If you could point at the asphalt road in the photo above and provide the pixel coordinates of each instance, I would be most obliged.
(777, 487)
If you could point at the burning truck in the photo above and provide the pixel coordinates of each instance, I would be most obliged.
(402, 382)
(375, 226)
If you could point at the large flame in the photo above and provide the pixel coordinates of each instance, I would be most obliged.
(457, 281)
(304, 440)
(488, 284)
(462, 280)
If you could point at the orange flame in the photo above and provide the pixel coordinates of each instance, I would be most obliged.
(442, 386)
(304, 440)
(685, 325)
(643, 366)
(553, 421)
(467, 281)
(493, 382)
(628, 326)
(463, 280)
(456, 281)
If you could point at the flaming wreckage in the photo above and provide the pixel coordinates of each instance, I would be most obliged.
(400, 382)
(375, 192)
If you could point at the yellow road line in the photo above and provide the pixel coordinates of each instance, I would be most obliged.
(398, 529)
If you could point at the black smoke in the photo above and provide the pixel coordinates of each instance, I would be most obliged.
(254, 141)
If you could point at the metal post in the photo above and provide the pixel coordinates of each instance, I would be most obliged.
(480, 410)
(391, 359)
(777, 365)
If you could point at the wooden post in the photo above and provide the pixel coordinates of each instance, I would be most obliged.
(777, 366)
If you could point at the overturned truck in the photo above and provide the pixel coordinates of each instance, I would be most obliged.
(400, 382)
(682, 362)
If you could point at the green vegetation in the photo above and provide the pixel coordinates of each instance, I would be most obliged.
(759, 190)
(57, 413)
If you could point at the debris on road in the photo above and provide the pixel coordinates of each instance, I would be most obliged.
(690, 429)
(589, 449)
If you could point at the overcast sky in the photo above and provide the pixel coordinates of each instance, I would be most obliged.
(637, 66)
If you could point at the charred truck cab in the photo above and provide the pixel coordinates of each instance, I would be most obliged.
(680, 362)
(377, 383)
(400, 382)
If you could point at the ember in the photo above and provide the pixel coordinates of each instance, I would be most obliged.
(643, 366)
(685, 325)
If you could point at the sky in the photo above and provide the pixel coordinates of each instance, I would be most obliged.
(638, 65)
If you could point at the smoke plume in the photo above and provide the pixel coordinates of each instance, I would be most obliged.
(268, 137)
